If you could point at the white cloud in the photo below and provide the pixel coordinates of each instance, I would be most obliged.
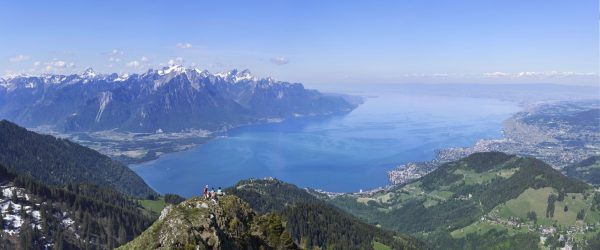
(538, 74)
(280, 60)
(501, 74)
(496, 74)
(37, 63)
(115, 52)
(114, 55)
(62, 64)
(19, 58)
(134, 64)
(433, 75)
(175, 61)
(58, 65)
(184, 45)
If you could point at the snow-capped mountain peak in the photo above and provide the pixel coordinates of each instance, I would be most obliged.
(178, 99)
(89, 73)
(203, 73)
(122, 78)
(173, 68)
(236, 75)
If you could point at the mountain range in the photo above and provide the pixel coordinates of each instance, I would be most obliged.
(171, 99)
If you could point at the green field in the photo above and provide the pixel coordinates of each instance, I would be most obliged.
(477, 227)
(153, 206)
(537, 199)
(379, 246)
(533, 200)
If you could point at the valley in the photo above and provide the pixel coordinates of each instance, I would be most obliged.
(138, 117)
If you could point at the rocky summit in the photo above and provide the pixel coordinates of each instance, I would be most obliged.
(199, 223)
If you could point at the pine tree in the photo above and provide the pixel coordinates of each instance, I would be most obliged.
(14, 195)
(109, 233)
(122, 234)
(26, 237)
(58, 239)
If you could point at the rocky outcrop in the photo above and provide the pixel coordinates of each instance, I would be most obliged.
(229, 223)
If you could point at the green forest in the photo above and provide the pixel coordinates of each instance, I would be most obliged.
(313, 222)
(58, 161)
(106, 217)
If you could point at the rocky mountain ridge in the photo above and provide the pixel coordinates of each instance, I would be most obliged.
(199, 223)
(171, 99)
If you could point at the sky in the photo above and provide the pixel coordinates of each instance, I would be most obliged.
(312, 42)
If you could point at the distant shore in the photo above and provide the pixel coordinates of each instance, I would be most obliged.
(519, 138)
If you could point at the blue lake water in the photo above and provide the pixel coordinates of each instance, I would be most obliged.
(341, 153)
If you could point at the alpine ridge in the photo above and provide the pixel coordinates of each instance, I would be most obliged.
(170, 99)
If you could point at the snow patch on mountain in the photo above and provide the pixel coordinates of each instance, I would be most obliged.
(30, 85)
(236, 76)
(170, 69)
(105, 98)
(11, 211)
(122, 78)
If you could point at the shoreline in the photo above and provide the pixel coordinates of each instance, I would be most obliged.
(223, 133)
(518, 138)
(383, 180)
(133, 148)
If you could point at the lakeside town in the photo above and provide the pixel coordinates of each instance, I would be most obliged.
(557, 133)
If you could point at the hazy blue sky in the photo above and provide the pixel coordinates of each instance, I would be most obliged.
(311, 41)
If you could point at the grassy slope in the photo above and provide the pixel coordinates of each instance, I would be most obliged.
(154, 207)
(380, 246)
(458, 194)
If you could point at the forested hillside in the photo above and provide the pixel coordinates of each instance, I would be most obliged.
(314, 223)
(75, 216)
(486, 201)
(587, 170)
(57, 161)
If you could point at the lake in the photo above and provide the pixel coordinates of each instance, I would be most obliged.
(343, 153)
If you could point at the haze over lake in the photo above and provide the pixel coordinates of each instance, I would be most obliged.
(342, 153)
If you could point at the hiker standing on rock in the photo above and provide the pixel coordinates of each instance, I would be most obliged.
(206, 192)
(213, 196)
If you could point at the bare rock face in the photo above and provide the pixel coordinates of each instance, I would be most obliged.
(229, 223)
